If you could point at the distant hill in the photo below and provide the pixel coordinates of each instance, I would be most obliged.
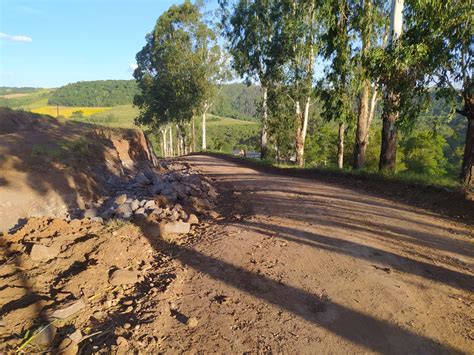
(100, 93)
(9, 90)
(237, 101)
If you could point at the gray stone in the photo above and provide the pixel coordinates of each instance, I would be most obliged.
(119, 200)
(91, 212)
(124, 210)
(176, 227)
(156, 210)
(134, 205)
(97, 219)
(192, 219)
(123, 277)
(43, 253)
(67, 310)
(46, 337)
(76, 337)
(68, 347)
(141, 210)
(174, 215)
(150, 204)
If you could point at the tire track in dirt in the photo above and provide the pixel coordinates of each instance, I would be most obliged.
(305, 266)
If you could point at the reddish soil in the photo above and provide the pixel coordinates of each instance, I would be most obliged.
(302, 266)
(285, 265)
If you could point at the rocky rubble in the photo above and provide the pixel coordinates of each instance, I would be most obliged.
(90, 281)
(168, 198)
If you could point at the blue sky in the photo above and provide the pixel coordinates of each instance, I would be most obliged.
(49, 43)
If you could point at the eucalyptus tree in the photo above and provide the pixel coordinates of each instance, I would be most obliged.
(368, 22)
(337, 90)
(250, 29)
(445, 27)
(402, 68)
(175, 70)
(299, 26)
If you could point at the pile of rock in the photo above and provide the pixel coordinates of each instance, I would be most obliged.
(169, 196)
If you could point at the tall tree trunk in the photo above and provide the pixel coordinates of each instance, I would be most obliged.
(467, 170)
(340, 145)
(302, 128)
(179, 143)
(391, 113)
(264, 133)
(204, 145)
(299, 136)
(171, 151)
(163, 143)
(388, 152)
(193, 129)
(362, 127)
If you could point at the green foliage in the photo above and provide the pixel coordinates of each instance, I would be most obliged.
(237, 101)
(8, 90)
(99, 93)
(177, 68)
(423, 153)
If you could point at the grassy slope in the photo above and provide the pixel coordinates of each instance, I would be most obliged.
(27, 102)
(224, 134)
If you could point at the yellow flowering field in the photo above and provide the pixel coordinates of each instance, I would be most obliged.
(67, 111)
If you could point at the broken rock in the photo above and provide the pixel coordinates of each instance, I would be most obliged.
(192, 219)
(121, 199)
(176, 227)
(45, 337)
(123, 277)
(43, 253)
(67, 310)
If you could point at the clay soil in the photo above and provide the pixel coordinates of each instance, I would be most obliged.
(284, 265)
(304, 266)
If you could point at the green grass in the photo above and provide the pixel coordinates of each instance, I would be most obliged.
(408, 178)
(213, 120)
(118, 116)
(30, 101)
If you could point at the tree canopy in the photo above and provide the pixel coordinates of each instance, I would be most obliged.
(95, 93)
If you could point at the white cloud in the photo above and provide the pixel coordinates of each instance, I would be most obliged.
(133, 66)
(15, 38)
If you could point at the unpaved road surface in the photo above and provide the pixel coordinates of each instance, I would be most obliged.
(300, 266)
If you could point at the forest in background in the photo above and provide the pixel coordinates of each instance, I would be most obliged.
(432, 148)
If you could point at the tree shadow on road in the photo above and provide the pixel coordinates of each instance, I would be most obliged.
(371, 333)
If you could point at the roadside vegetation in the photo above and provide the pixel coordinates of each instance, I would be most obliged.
(388, 101)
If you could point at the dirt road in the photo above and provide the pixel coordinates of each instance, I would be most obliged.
(300, 266)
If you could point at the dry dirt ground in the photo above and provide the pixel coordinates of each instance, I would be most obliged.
(284, 265)
(301, 266)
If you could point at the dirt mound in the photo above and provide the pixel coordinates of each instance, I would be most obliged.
(89, 279)
(53, 168)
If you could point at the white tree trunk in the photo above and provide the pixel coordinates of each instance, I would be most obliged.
(194, 136)
(204, 146)
(178, 142)
(264, 133)
(171, 151)
(305, 119)
(340, 146)
(163, 143)
(373, 106)
(396, 19)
